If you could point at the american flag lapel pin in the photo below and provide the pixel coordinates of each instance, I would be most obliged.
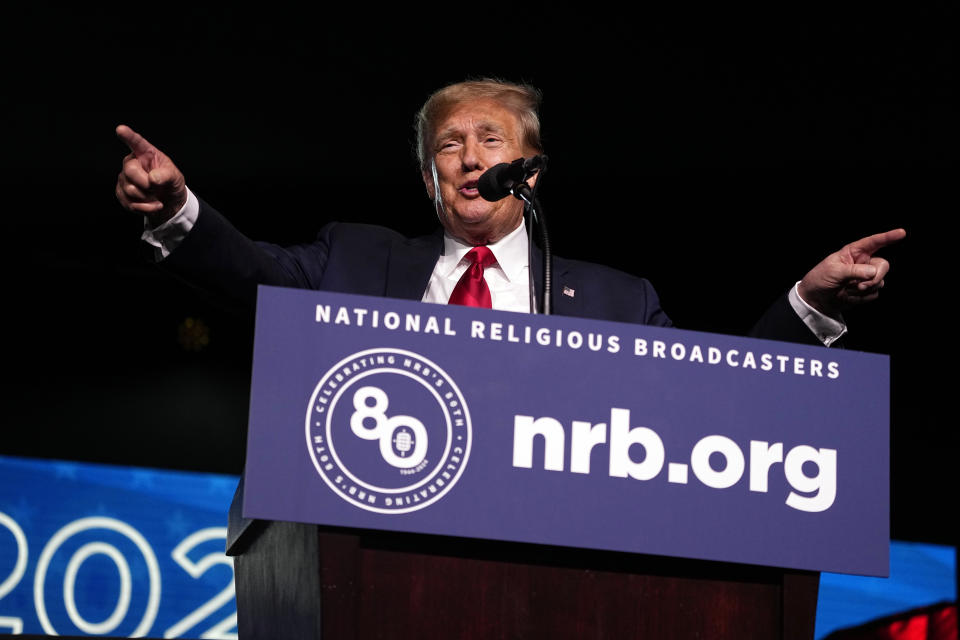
(567, 291)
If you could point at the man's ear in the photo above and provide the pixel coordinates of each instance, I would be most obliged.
(428, 183)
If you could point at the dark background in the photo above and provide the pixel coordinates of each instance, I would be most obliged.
(720, 153)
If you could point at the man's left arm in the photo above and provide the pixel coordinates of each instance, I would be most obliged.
(812, 311)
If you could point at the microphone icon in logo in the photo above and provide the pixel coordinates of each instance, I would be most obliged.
(403, 442)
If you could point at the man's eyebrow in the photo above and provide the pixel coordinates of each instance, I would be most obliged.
(490, 127)
(449, 132)
(480, 127)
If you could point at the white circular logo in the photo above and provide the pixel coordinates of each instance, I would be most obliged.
(388, 430)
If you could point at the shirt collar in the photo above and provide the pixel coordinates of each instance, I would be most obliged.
(511, 253)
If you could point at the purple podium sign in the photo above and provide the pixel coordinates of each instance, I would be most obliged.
(396, 415)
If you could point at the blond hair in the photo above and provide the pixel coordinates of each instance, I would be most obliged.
(522, 99)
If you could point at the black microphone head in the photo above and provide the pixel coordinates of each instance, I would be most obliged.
(497, 181)
(490, 183)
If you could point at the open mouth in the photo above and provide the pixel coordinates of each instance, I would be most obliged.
(469, 188)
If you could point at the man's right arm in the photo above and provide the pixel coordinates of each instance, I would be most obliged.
(195, 243)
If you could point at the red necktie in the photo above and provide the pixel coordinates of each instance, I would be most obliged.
(472, 289)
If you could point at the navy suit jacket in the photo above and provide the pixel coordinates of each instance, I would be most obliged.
(376, 261)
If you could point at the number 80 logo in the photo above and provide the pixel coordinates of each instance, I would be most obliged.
(388, 430)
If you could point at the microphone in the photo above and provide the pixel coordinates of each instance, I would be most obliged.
(498, 181)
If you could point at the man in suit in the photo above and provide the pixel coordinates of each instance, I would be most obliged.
(463, 130)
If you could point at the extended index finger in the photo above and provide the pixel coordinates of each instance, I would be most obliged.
(139, 145)
(872, 244)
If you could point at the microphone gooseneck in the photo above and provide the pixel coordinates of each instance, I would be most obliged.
(510, 178)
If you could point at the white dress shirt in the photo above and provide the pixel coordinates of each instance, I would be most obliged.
(508, 279)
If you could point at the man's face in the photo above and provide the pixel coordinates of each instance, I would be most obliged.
(472, 138)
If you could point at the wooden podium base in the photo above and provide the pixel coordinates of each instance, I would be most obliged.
(304, 581)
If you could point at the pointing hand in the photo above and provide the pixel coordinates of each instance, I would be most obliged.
(149, 182)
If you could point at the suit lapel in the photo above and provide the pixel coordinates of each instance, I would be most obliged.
(410, 264)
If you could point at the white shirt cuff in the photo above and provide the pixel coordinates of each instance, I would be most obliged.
(166, 237)
(828, 330)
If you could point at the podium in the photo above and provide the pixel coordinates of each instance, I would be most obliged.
(299, 580)
(612, 481)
